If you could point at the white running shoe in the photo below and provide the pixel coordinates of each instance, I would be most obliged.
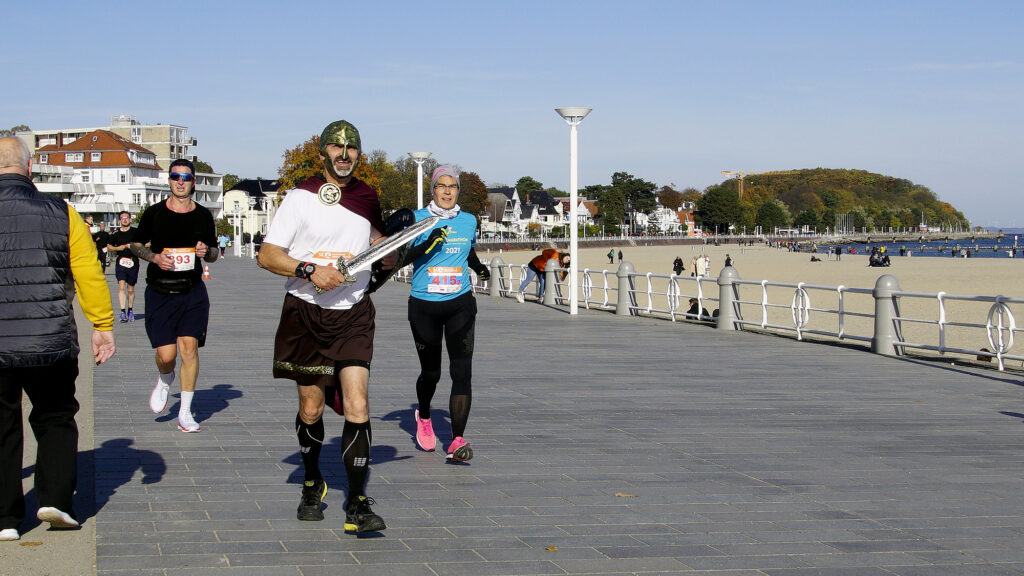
(158, 399)
(56, 518)
(520, 298)
(8, 534)
(186, 423)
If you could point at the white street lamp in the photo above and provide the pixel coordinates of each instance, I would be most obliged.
(573, 115)
(419, 158)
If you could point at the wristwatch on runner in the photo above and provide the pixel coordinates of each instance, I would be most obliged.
(304, 270)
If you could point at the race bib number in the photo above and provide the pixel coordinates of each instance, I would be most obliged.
(184, 258)
(126, 263)
(328, 258)
(444, 279)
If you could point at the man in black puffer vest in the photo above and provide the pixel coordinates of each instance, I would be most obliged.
(48, 253)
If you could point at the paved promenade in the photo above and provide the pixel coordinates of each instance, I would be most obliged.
(604, 445)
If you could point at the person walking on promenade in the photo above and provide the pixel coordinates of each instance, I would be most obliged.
(101, 238)
(535, 269)
(442, 305)
(47, 247)
(324, 340)
(173, 235)
(126, 266)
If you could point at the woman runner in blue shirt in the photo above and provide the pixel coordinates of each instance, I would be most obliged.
(441, 304)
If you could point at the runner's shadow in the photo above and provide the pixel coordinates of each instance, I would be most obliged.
(110, 466)
(407, 421)
(205, 403)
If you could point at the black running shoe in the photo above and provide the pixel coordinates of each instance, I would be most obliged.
(313, 492)
(359, 517)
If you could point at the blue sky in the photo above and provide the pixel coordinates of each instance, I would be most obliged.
(927, 91)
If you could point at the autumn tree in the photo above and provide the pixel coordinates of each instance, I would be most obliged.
(670, 198)
(304, 161)
(472, 193)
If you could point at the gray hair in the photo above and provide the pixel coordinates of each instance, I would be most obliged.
(14, 153)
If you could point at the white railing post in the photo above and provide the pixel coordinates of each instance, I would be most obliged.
(886, 339)
(728, 300)
(497, 278)
(626, 298)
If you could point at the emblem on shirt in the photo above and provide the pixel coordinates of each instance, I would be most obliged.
(329, 194)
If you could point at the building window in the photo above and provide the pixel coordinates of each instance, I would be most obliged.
(74, 156)
(96, 156)
(85, 177)
(136, 135)
(124, 177)
(44, 158)
(136, 198)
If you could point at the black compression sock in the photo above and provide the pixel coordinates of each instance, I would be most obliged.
(311, 440)
(355, 451)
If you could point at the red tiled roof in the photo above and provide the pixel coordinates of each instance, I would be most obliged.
(114, 151)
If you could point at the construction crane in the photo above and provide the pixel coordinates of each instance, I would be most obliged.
(739, 174)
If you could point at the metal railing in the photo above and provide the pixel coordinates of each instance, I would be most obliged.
(885, 318)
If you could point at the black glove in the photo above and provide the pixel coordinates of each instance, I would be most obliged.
(483, 274)
(436, 238)
(482, 271)
(400, 220)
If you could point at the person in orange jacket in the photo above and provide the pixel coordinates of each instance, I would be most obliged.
(535, 269)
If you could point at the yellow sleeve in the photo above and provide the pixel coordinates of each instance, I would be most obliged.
(93, 293)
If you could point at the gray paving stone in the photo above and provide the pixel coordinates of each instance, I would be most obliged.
(787, 459)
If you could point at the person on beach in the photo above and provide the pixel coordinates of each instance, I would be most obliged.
(324, 339)
(611, 256)
(441, 305)
(173, 236)
(535, 269)
(49, 258)
(677, 266)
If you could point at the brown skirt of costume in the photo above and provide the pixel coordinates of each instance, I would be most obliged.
(313, 344)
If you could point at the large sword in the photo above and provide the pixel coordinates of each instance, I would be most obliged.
(364, 260)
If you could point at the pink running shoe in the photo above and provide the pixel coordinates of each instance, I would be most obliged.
(459, 450)
(425, 433)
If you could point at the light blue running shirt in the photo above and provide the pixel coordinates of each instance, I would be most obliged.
(444, 273)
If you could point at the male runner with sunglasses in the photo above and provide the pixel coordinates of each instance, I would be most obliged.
(172, 236)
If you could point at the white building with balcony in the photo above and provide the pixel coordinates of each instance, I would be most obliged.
(102, 173)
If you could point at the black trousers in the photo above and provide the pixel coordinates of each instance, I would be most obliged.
(51, 389)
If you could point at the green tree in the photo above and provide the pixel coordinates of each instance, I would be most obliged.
(611, 210)
(224, 227)
(230, 181)
(203, 167)
(719, 206)
(861, 219)
(14, 130)
(807, 218)
(526, 186)
(773, 214)
(595, 191)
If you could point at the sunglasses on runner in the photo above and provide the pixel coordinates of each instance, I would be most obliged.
(183, 177)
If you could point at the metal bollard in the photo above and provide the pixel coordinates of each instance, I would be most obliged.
(728, 300)
(623, 307)
(497, 280)
(887, 310)
(550, 279)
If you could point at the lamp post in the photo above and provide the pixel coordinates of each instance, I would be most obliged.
(252, 205)
(573, 115)
(236, 227)
(419, 158)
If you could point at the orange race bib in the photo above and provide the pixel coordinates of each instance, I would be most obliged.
(184, 258)
(444, 279)
(328, 258)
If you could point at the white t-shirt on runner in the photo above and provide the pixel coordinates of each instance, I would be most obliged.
(309, 231)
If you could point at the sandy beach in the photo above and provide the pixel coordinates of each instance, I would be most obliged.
(954, 276)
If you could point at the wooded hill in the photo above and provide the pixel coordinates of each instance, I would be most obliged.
(816, 196)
